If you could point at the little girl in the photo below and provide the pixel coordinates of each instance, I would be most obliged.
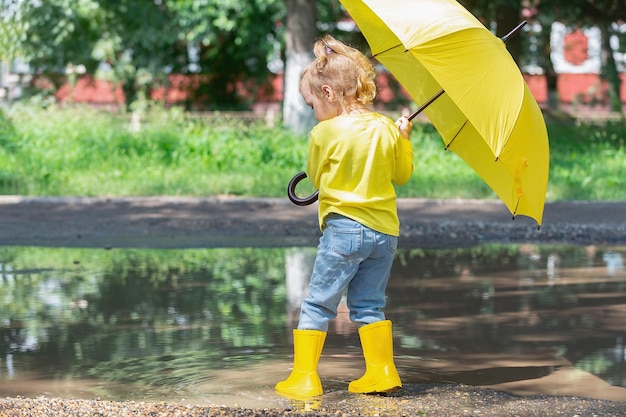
(355, 157)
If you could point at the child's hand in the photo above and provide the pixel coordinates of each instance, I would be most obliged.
(405, 126)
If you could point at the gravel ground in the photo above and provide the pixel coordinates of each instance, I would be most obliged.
(412, 401)
(158, 222)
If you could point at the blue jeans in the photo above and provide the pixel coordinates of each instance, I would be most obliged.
(353, 256)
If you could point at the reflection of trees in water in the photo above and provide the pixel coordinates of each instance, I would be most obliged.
(88, 307)
(503, 298)
(609, 363)
(298, 268)
(163, 316)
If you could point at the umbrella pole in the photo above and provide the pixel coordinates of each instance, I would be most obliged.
(513, 31)
(440, 93)
(428, 103)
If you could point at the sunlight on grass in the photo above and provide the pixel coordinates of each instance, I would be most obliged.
(85, 152)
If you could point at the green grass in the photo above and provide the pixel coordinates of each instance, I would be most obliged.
(84, 152)
(588, 161)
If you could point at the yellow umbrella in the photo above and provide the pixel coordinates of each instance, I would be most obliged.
(487, 114)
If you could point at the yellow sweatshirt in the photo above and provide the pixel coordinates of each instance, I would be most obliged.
(354, 160)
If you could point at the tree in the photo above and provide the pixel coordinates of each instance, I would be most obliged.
(141, 42)
(307, 20)
(10, 29)
(601, 13)
(235, 41)
(301, 32)
(138, 41)
(504, 13)
(50, 35)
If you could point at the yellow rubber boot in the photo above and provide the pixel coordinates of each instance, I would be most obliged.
(380, 370)
(304, 381)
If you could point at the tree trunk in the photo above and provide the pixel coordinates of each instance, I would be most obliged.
(609, 69)
(130, 92)
(301, 33)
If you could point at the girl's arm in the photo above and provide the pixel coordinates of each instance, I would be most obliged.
(404, 156)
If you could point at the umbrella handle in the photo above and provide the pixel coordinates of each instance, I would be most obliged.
(440, 93)
(291, 191)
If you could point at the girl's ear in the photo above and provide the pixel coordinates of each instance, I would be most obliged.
(328, 93)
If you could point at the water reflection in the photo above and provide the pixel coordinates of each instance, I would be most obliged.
(215, 325)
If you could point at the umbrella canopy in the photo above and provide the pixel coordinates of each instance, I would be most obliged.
(487, 115)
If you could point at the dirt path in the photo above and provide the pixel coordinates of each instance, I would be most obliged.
(173, 222)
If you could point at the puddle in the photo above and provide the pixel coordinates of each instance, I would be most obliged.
(213, 326)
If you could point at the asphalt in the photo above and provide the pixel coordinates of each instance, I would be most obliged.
(189, 222)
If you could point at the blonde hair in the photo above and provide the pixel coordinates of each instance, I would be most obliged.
(345, 69)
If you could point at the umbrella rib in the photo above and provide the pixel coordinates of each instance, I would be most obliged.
(456, 135)
(389, 49)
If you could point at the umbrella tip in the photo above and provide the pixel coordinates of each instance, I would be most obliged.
(538, 227)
